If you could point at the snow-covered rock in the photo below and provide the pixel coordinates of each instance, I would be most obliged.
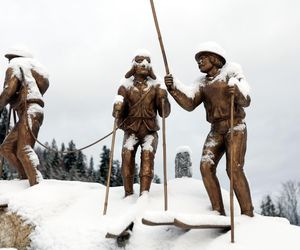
(68, 216)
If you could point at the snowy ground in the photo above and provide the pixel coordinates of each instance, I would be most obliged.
(68, 216)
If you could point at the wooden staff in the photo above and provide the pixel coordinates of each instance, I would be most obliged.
(163, 104)
(231, 169)
(164, 155)
(160, 38)
(111, 156)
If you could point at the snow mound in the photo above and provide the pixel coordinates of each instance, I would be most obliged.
(68, 216)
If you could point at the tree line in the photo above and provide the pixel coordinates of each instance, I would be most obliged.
(55, 163)
(286, 204)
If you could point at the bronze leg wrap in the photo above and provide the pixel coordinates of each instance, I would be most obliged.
(128, 165)
(213, 150)
(241, 186)
(25, 152)
(128, 170)
(146, 171)
(8, 150)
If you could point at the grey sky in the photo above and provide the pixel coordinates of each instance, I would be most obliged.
(87, 46)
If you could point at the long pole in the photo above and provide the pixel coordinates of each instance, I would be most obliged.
(160, 38)
(111, 156)
(164, 155)
(231, 169)
(163, 104)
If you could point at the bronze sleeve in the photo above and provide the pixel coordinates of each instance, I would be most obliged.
(42, 82)
(162, 94)
(119, 107)
(241, 100)
(184, 101)
(9, 89)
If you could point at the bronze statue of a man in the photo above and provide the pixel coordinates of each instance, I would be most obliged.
(139, 99)
(214, 90)
(25, 83)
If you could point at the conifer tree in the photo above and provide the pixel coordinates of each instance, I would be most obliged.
(70, 159)
(267, 207)
(104, 164)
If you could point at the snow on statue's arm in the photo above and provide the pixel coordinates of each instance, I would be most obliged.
(188, 97)
(119, 102)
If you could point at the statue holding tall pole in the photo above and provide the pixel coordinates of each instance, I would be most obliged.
(140, 98)
(215, 90)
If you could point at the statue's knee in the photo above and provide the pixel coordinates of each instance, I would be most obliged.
(127, 155)
(207, 168)
(127, 163)
(237, 170)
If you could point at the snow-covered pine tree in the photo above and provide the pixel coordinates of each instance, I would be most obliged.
(104, 164)
(267, 207)
(7, 172)
(136, 178)
(3, 124)
(156, 179)
(116, 178)
(81, 166)
(183, 162)
(70, 160)
(91, 173)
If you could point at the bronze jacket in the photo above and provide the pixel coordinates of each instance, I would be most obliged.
(140, 106)
(216, 101)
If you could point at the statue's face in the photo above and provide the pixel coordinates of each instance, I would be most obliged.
(204, 63)
(142, 65)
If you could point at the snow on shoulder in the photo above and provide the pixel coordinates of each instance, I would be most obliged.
(26, 63)
(68, 216)
(234, 73)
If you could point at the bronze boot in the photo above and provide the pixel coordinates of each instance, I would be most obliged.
(212, 185)
(146, 172)
(242, 192)
(145, 183)
(128, 185)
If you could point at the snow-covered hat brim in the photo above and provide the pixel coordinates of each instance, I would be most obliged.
(213, 48)
(18, 52)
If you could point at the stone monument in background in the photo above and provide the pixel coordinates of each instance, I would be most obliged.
(183, 162)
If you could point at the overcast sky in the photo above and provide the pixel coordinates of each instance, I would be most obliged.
(87, 47)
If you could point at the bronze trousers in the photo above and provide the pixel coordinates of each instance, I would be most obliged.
(215, 146)
(17, 147)
(148, 145)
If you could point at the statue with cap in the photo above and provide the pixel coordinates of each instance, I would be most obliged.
(26, 81)
(136, 106)
(214, 90)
